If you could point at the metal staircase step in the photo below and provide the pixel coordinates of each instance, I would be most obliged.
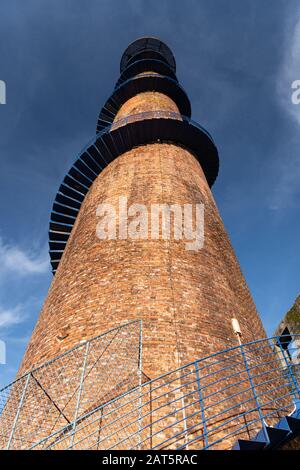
(243, 444)
(296, 413)
(289, 423)
(272, 436)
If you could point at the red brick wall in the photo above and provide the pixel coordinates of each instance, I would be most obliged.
(147, 101)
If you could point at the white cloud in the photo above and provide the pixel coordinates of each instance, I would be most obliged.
(287, 186)
(286, 163)
(19, 340)
(12, 317)
(290, 70)
(16, 260)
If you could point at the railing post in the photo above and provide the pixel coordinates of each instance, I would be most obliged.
(255, 395)
(205, 436)
(292, 377)
(86, 353)
(18, 411)
(185, 423)
(140, 386)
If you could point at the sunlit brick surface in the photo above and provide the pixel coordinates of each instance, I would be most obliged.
(147, 101)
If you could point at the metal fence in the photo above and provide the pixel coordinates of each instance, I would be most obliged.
(206, 404)
(54, 397)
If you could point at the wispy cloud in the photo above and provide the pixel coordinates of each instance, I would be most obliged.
(287, 187)
(287, 163)
(290, 70)
(14, 259)
(12, 317)
(19, 340)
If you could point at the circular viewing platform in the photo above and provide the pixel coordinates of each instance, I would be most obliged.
(147, 47)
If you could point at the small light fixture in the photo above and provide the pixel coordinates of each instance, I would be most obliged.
(61, 337)
(236, 329)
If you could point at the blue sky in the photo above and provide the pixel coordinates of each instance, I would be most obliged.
(236, 60)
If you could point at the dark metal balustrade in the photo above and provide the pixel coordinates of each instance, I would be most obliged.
(139, 84)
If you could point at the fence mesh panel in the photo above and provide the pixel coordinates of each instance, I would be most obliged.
(51, 400)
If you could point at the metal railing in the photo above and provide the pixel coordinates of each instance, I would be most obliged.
(206, 404)
(157, 114)
(114, 103)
